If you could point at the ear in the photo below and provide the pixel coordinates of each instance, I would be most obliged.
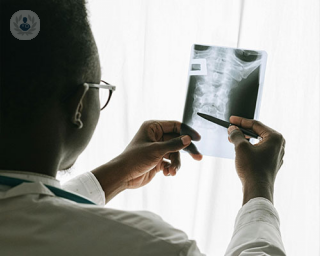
(76, 105)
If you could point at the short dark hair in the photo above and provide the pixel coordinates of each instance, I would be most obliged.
(34, 73)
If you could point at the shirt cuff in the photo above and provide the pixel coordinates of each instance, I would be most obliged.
(88, 186)
(257, 209)
(257, 230)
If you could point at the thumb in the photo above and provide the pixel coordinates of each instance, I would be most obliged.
(236, 136)
(175, 144)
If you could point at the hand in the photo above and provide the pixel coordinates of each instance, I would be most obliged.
(154, 142)
(257, 165)
(145, 156)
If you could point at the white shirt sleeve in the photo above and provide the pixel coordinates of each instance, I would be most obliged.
(88, 186)
(257, 230)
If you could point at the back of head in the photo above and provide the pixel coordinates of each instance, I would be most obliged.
(34, 74)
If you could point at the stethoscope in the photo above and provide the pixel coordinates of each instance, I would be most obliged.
(13, 182)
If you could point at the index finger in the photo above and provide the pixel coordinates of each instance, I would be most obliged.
(187, 130)
(170, 126)
(179, 128)
(251, 124)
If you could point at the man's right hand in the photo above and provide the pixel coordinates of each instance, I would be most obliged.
(257, 165)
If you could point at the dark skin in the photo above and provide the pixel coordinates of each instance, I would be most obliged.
(257, 165)
(56, 141)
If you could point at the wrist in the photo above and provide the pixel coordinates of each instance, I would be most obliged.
(110, 179)
(257, 189)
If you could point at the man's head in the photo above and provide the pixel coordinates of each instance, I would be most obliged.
(35, 75)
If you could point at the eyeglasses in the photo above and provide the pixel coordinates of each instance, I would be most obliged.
(104, 95)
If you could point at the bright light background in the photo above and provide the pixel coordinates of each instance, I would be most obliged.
(144, 48)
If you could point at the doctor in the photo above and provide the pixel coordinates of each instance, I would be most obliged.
(49, 111)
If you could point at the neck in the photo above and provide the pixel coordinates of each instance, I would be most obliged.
(38, 152)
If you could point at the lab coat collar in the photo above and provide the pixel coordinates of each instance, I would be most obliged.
(32, 176)
(26, 188)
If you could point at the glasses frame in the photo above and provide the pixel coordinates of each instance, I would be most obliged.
(107, 86)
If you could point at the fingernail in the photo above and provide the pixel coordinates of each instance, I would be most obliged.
(232, 128)
(185, 140)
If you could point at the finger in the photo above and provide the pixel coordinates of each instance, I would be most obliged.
(166, 157)
(170, 136)
(172, 170)
(197, 157)
(175, 161)
(165, 170)
(193, 151)
(160, 128)
(251, 124)
(157, 129)
(160, 166)
(173, 145)
(169, 126)
(187, 130)
(236, 136)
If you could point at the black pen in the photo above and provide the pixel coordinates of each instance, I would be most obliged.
(227, 124)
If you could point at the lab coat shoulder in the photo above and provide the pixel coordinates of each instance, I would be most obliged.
(54, 226)
(146, 231)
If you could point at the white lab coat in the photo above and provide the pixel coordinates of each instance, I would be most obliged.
(33, 221)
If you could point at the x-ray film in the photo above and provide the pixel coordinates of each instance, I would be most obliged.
(222, 82)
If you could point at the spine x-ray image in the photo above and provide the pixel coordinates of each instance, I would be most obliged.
(222, 82)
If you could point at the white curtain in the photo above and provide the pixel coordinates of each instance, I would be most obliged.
(144, 48)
